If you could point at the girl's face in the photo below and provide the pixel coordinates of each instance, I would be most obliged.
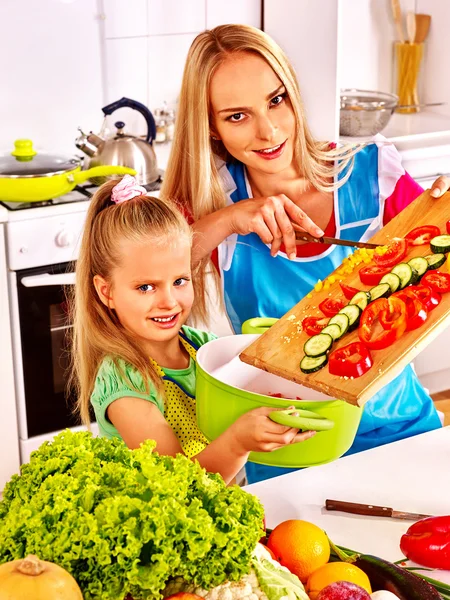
(151, 290)
(252, 114)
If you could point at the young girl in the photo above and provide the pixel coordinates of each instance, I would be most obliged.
(134, 357)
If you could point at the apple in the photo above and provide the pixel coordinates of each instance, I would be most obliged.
(343, 590)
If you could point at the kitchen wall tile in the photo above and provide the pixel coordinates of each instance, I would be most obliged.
(247, 12)
(175, 16)
(125, 18)
(127, 75)
(166, 58)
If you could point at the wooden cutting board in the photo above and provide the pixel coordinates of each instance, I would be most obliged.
(280, 349)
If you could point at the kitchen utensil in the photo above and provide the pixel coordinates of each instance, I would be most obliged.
(280, 349)
(306, 237)
(411, 26)
(397, 14)
(30, 176)
(227, 388)
(372, 511)
(423, 23)
(123, 149)
(366, 112)
(258, 324)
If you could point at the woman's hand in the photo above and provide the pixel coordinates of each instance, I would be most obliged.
(272, 219)
(441, 185)
(255, 432)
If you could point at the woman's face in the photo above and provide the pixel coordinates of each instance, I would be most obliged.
(252, 114)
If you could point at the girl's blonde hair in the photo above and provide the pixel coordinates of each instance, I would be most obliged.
(97, 332)
(192, 176)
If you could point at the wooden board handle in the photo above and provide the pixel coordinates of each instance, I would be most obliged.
(358, 509)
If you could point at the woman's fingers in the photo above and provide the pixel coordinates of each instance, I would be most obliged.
(297, 215)
(441, 185)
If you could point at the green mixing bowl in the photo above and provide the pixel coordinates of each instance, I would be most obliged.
(227, 388)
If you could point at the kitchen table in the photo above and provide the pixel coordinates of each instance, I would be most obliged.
(409, 475)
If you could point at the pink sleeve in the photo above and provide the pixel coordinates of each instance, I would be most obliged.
(406, 190)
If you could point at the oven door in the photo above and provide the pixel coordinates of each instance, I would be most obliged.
(45, 402)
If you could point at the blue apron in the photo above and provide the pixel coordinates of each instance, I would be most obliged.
(258, 285)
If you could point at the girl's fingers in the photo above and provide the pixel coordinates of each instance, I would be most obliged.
(271, 223)
(262, 230)
(287, 231)
(441, 185)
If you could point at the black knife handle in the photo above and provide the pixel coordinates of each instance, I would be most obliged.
(358, 509)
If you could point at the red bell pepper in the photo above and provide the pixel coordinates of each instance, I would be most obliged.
(331, 307)
(391, 314)
(314, 325)
(427, 542)
(416, 313)
(395, 253)
(437, 281)
(352, 360)
(422, 235)
(426, 295)
(447, 227)
(348, 291)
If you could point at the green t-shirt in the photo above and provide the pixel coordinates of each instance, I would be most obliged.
(110, 385)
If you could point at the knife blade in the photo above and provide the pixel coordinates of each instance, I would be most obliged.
(307, 237)
(370, 510)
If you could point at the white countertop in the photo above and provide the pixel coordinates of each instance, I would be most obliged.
(410, 475)
(3, 214)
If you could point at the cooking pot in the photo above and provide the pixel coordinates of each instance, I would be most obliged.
(29, 176)
(227, 388)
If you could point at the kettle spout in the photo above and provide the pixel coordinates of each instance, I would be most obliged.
(88, 143)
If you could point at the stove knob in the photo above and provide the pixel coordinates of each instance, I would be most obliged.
(64, 238)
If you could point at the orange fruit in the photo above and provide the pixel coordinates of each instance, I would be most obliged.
(300, 546)
(336, 571)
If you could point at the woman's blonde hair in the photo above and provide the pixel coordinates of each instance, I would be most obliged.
(192, 176)
(97, 332)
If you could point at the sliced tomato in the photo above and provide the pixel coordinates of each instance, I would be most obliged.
(447, 227)
(331, 307)
(422, 235)
(415, 309)
(426, 295)
(314, 325)
(437, 281)
(382, 322)
(348, 291)
(352, 360)
(395, 253)
(372, 275)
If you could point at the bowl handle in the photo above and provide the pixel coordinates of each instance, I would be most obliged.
(306, 419)
(258, 324)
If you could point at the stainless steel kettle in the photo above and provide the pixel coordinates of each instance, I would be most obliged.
(123, 149)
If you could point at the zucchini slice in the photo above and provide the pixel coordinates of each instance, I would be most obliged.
(419, 264)
(405, 273)
(341, 320)
(361, 299)
(382, 290)
(440, 243)
(392, 280)
(435, 260)
(353, 313)
(318, 344)
(332, 329)
(310, 364)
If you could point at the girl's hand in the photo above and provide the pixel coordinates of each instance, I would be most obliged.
(255, 432)
(271, 218)
(441, 185)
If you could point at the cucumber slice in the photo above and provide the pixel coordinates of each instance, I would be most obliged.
(310, 364)
(361, 299)
(313, 423)
(440, 243)
(353, 313)
(341, 320)
(332, 329)
(382, 290)
(392, 280)
(419, 264)
(318, 344)
(405, 273)
(435, 260)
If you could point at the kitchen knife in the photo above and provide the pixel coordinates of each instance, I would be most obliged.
(370, 510)
(306, 237)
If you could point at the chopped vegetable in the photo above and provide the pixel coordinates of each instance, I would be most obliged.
(447, 227)
(390, 313)
(348, 291)
(372, 275)
(427, 542)
(331, 307)
(352, 360)
(422, 235)
(395, 253)
(426, 295)
(416, 312)
(437, 281)
(126, 521)
(314, 325)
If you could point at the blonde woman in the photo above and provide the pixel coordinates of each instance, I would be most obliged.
(134, 357)
(245, 167)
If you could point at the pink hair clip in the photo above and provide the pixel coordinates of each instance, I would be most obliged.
(126, 189)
